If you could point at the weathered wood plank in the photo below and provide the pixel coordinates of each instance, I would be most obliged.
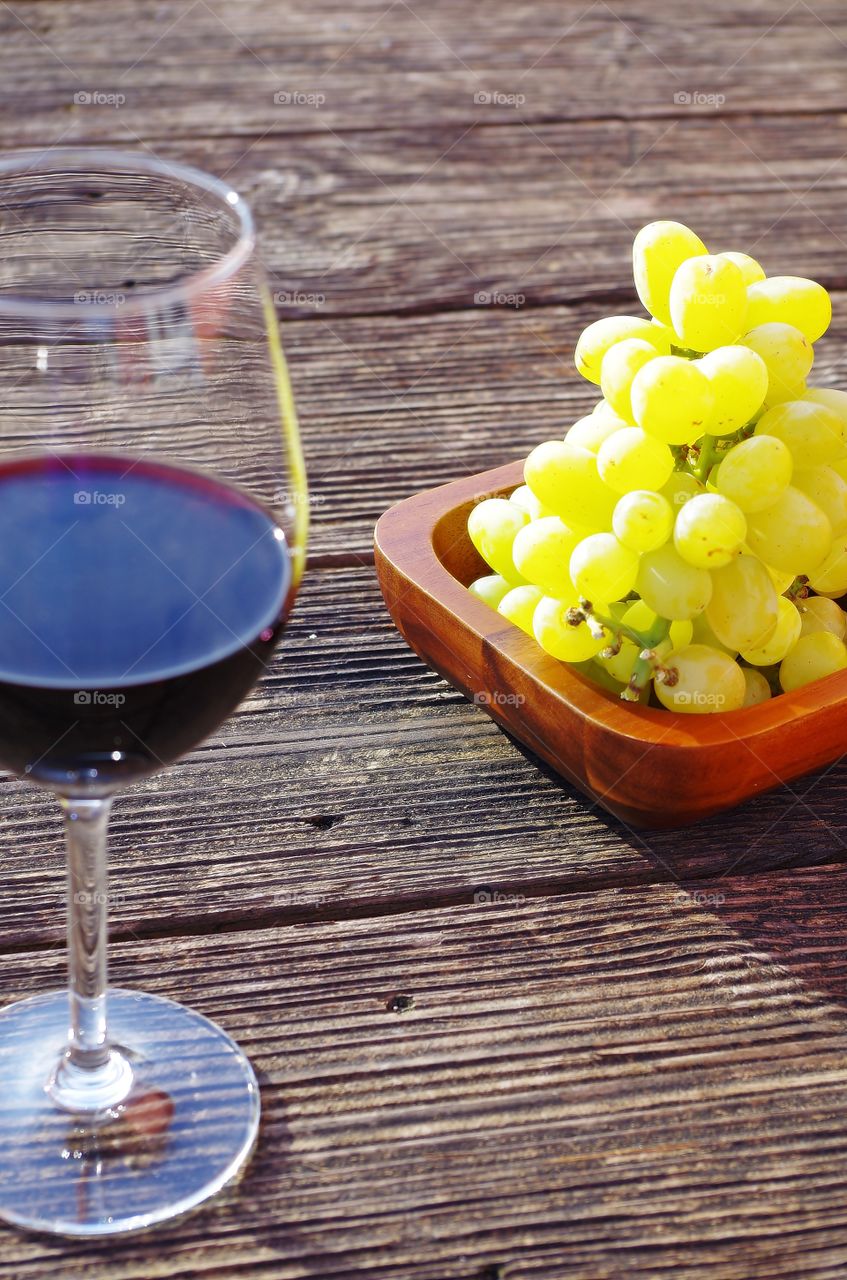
(354, 781)
(214, 67)
(627, 1082)
(401, 220)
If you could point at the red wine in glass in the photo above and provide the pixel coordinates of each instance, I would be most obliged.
(151, 601)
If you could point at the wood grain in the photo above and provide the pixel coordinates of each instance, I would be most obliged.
(354, 781)
(628, 1082)
(213, 67)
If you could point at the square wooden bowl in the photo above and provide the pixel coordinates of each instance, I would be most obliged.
(651, 768)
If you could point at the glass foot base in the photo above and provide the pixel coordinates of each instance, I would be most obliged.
(186, 1127)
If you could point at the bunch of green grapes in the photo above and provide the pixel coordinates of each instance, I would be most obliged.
(686, 542)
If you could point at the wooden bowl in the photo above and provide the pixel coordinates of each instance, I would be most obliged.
(651, 768)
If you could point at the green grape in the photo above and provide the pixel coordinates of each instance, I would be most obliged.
(601, 568)
(787, 353)
(620, 365)
(702, 633)
(639, 616)
(743, 610)
(793, 535)
(681, 632)
(829, 577)
(541, 552)
(620, 664)
(780, 579)
(708, 302)
(739, 382)
(778, 394)
(708, 682)
(681, 488)
(518, 605)
(493, 526)
(755, 473)
(596, 340)
(813, 657)
(828, 490)
(757, 688)
(524, 498)
(750, 269)
(590, 432)
(819, 613)
(672, 399)
(831, 397)
(671, 587)
(812, 432)
(790, 300)
(709, 531)
(642, 618)
(643, 520)
(657, 251)
(490, 589)
(566, 481)
(782, 639)
(630, 459)
(558, 638)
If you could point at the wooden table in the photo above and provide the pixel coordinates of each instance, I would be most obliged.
(628, 1060)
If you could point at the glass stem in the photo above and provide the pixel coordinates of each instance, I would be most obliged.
(91, 1074)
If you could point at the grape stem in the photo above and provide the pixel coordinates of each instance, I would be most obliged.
(647, 663)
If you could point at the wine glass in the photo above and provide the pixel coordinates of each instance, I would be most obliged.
(153, 521)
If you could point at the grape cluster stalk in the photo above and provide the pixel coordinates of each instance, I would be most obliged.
(685, 543)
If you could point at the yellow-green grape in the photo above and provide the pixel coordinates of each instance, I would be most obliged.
(620, 664)
(743, 610)
(780, 579)
(829, 578)
(558, 638)
(490, 589)
(657, 251)
(620, 365)
(493, 526)
(787, 353)
(757, 688)
(790, 300)
(672, 399)
(831, 397)
(708, 681)
(739, 382)
(755, 473)
(602, 568)
(750, 269)
(819, 613)
(702, 633)
(813, 657)
(519, 605)
(565, 480)
(541, 552)
(681, 488)
(782, 639)
(681, 632)
(630, 459)
(793, 535)
(778, 394)
(524, 498)
(671, 587)
(643, 520)
(590, 432)
(708, 302)
(812, 432)
(709, 531)
(828, 490)
(596, 340)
